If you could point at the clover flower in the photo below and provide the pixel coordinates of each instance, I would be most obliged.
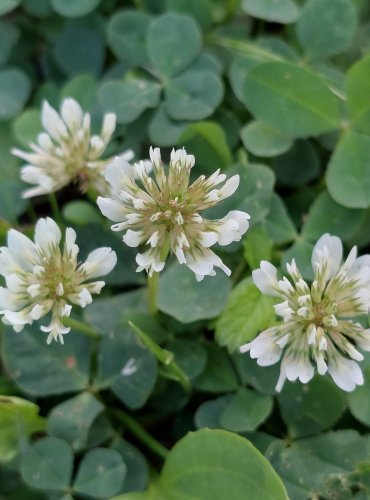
(67, 151)
(41, 278)
(317, 331)
(164, 213)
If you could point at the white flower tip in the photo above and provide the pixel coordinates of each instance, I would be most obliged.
(109, 126)
(155, 156)
(329, 250)
(265, 279)
(71, 111)
(45, 107)
(15, 151)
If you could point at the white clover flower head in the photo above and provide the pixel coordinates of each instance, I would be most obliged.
(163, 212)
(67, 152)
(317, 330)
(42, 278)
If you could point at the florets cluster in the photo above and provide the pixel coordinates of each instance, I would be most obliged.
(67, 151)
(164, 212)
(41, 278)
(318, 332)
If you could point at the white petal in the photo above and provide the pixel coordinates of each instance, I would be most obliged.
(119, 172)
(37, 191)
(281, 380)
(359, 265)
(97, 144)
(47, 234)
(34, 290)
(127, 155)
(138, 203)
(200, 267)
(71, 113)
(45, 142)
(331, 246)
(154, 239)
(232, 227)
(109, 125)
(155, 156)
(345, 373)
(208, 238)
(150, 261)
(292, 368)
(112, 209)
(15, 283)
(306, 372)
(8, 264)
(37, 311)
(270, 356)
(7, 300)
(229, 188)
(52, 122)
(179, 252)
(181, 156)
(69, 242)
(17, 318)
(95, 287)
(202, 263)
(99, 262)
(322, 367)
(84, 297)
(265, 279)
(133, 238)
(23, 249)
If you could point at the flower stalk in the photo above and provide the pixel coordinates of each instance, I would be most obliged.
(137, 430)
(152, 293)
(165, 357)
(79, 326)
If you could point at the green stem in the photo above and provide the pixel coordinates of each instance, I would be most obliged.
(31, 213)
(140, 433)
(165, 357)
(247, 48)
(238, 272)
(75, 324)
(55, 209)
(152, 293)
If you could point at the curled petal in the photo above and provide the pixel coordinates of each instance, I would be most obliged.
(112, 209)
(345, 373)
(265, 279)
(232, 227)
(99, 262)
(133, 238)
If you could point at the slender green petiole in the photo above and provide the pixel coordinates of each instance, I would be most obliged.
(152, 292)
(55, 209)
(136, 429)
(165, 357)
(81, 327)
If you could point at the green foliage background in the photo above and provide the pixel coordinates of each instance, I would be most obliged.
(276, 91)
